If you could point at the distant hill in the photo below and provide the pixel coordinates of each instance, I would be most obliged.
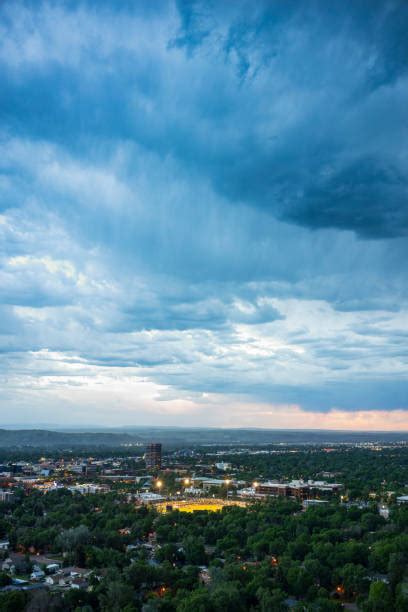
(217, 436)
(183, 437)
(41, 438)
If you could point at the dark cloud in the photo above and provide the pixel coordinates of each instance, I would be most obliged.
(298, 109)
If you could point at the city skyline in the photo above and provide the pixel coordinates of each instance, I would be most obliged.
(204, 214)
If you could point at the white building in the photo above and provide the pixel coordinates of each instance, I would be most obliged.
(384, 511)
(223, 466)
(89, 488)
(193, 491)
(37, 573)
(149, 497)
(307, 503)
(6, 496)
(247, 492)
(8, 566)
(207, 483)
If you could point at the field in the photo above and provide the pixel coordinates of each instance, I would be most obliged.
(211, 505)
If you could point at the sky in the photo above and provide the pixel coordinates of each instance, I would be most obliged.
(204, 213)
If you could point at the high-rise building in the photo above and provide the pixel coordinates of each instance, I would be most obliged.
(153, 456)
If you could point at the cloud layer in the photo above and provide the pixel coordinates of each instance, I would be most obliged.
(204, 212)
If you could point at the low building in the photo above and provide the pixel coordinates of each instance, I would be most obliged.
(79, 583)
(6, 496)
(8, 565)
(89, 488)
(307, 503)
(131, 547)
(322, 485)
(37, 573)
(273, 488)
(194, 491)
(204, 575)
(299, 489)
(146, 498)
(208, 483)
(249, 492)
(223, 466)
(384, 511)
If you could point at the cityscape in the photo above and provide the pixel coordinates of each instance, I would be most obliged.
(168, 526)
(203, 305)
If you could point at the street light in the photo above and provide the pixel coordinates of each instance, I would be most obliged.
(255, 485)
(186, 481)
(159, 484)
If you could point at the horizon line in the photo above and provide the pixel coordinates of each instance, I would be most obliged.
(57, 427)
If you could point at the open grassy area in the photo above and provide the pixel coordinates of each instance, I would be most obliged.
(211, 505)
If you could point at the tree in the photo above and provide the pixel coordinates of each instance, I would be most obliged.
(14, 601)
(169, 552)
(227, 598)
(353, 578)
(117, 597)
(194, 551)
(379, 598)
(271, 600)
(69, 539)
(199, 601)
(324, 604)
(299, 581)
(401, 599)
(4, 579)
(39, 602)
(396, 569)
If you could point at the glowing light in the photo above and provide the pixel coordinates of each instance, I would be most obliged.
(256, 484)
(159, 484)
(186, 481)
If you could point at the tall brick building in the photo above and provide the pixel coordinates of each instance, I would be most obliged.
(153, 456)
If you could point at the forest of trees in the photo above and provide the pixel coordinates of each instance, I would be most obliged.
(265, 557)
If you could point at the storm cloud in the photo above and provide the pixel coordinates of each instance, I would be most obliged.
(206, 199)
